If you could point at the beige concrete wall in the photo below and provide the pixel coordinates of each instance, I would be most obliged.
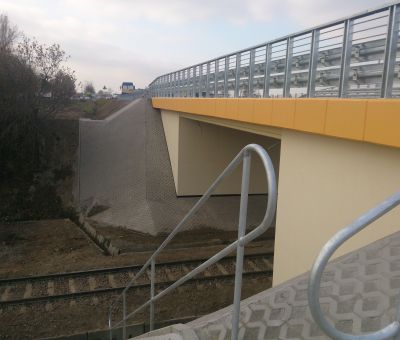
(262, 130)
(326, 183)
(204, 150)
(170, 122)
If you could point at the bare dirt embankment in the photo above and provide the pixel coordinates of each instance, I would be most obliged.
(48, 189)
(45, 189)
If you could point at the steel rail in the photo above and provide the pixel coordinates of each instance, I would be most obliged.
(159, 87)
(243, 156)
(99, 291)
(100, 271)
(305, 31)
(321, 261)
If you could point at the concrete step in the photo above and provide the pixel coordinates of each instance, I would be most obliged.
(174, 332)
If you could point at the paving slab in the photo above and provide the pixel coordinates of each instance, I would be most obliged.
(359, 295)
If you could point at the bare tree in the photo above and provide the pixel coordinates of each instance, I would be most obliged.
(62, 86)
(89, 88)
(8, 34)
(49, 63)
(35, 84)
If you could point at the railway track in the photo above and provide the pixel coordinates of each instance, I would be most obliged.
(74, 285)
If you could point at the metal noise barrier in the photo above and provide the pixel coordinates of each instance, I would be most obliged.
(243, 238)
(357, 56)
(390, 331)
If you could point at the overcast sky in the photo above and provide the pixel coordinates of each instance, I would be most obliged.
(137, 40)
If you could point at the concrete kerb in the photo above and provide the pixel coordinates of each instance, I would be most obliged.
(173, 332)
(103, 243)
(112, 116)
(132, 330)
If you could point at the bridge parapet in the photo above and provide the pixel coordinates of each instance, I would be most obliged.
(357, 56)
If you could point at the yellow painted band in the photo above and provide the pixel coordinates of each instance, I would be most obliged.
(369, 120)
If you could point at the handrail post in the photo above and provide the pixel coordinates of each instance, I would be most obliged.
(312, 68)
(390, 331)
(240, 246)
(216, 72)
(346, 58)
(242, 157)
(237, 75)
(124, 315)
(226, 77)
(267, 70)
(152, 278)
(392, 38)
(110, 323)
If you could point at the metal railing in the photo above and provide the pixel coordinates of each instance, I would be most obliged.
(327, 251)
(358, 56)
(243, 238)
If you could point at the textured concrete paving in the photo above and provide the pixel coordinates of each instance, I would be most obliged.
(124, 164)
(359, 295)
(109, 169)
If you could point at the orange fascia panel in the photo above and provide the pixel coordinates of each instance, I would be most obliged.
(208, 107)
(179, 105)
(283, 112)
(220, 107)
(198, 107)
(371, 120)
(310, 115)
(185, 105)
(345, 118)
(156, 102)
(245, 110)
(231, 108)
(382, 124)
(262, 112)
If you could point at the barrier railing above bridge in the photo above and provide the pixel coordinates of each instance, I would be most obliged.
(358, 56)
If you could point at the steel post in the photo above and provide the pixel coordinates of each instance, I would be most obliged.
(208, 81)
(216, 70)
(260, 229)
(390, 51)
(251, 72)
(346, 58)
(267, 70)
(179, 92)
(110, 324)
(237, 75)
(240, 245)
(288, 67)
(175, 84)
(200, 81)
(124, 315)
(312, 69)
(152, 283)
(193, 81)
(226, 77)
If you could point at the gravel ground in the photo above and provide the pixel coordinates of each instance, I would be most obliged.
(42, 247)
(52, 246)
(66, 317)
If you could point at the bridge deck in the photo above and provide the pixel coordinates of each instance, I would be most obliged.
(369, 120)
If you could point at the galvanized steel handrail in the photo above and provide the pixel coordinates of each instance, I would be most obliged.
(306, 69)
(327, 251)
(243, 239)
